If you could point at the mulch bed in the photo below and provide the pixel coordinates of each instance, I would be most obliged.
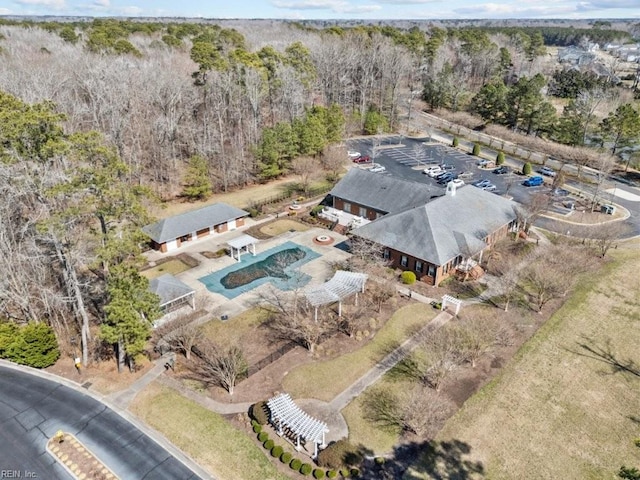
(81, 463)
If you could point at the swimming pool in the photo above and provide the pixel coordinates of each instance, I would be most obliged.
(278, 265)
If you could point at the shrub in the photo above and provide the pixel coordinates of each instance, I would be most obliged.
(317, 473)
(258, 411)
(295, 464)
(316, 210)
(306, 469)
(526, 169)
(500, 158)
(257, 428)
(34, 345)
(338, 454)
(455, 142)
(263, 436)
(332, 474)
(354, 472)
(276, 451)
(408, 278)
(476, 149)
(379, 460)
(345, 472)
(268, 444)
(285, 457)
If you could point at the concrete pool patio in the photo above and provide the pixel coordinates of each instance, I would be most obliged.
(318, 269)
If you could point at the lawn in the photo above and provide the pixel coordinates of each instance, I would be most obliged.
(173, 266)
(205, 436)
(234, 330)
(362, 431)
(278, 227)
(325, 380)
(567, 404)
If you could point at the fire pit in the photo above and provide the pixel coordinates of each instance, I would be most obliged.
(323, 240)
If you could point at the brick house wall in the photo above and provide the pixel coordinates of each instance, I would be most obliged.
(356, 209)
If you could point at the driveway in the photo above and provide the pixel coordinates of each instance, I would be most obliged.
(33, 409)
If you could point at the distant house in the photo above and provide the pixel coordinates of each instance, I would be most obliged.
(575, 56)
(433, 236)
(169, 234)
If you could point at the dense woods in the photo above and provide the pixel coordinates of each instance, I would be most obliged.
(98, 117)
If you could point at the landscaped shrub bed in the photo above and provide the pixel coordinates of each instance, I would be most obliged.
(258, 412)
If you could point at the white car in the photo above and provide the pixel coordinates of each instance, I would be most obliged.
(549, 172)
(435, 169)
(457, 182)
(353, 154)
(376, 168)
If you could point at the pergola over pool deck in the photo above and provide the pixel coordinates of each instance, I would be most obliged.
(342, 285)
(286, 414)
(243, 241)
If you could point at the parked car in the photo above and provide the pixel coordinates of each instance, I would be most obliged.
(442, 175)
(502, 170)
(465, 175)
(549, 172)
(533, 181)
(376, 168)
(481, 183)
(457, 182)
(433, 170)
(446, 178)
(362, 159)
(483, 162)
(560, 192)
(353, 154)
(490, 188)
(446, 166)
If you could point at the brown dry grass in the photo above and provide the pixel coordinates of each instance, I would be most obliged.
(562, 408)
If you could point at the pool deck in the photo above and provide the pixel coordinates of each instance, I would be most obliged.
(319, 269)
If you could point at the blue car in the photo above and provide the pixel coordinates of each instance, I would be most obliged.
(481, 183)
(533, 181)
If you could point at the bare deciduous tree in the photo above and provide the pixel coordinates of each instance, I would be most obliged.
(180, 334)
(420, 410)
(218, 365)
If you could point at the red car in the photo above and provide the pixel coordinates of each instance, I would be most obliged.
(362, 159)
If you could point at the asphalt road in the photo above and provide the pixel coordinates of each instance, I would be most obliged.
(407, 157)
(33, 409)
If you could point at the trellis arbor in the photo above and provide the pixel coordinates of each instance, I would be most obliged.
(288, 418)
(342, 285)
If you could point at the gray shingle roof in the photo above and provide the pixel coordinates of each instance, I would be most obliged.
(169, 288)
(444, 228)
(185, 223)
(381, 192)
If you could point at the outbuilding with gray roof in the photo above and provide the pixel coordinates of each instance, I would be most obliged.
(170, 233)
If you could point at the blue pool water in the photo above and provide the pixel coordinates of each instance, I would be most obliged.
(278, 265)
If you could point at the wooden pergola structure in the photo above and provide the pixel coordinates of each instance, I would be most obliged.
(285, 414)
(342, 285)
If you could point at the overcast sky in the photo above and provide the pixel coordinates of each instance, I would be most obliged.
(329, 9)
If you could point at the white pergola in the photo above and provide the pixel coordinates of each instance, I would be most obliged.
(452, 300)
(286, 414)
(342, 285)
(243, 241)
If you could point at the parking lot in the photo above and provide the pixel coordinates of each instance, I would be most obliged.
(408, 157)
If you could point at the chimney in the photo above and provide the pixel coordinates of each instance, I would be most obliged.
(451, 189)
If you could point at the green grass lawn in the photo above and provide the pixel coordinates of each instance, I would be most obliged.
(566, 406)
(325, 380)
(278, 227)
(173, 266)
(205, 436)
